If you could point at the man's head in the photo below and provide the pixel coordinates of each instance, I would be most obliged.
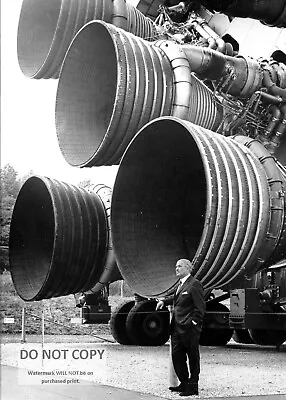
(184, 267)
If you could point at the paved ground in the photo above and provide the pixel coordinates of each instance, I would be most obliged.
(116, 372)
(84, 391)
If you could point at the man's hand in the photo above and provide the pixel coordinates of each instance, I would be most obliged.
(160, 305)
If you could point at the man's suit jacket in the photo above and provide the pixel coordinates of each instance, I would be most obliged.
(189, 305)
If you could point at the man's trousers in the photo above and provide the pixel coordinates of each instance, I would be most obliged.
(185, 350)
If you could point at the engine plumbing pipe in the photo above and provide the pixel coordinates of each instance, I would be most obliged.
(47, 27)
(59, 240)
(202, 27)
(277, 143)
(275, 117)
(272, 87)
(182, 78)
(249, 75)
(112, 83)
(211, 202)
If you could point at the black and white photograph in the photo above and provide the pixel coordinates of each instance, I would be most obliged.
(143, 200)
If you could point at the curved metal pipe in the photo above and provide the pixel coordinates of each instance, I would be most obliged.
(119, 16)
(272, 87)
(229, 49)
(280, 152)
(182, 77)
(221, 45)
(275, 116)
(278, 137)
(278, 69)
(46, 29)
(205, 62)
(202, 27)
(212, 44)
(59, 239)
(210, 64)
(250, 76)
(210, 203)
(103, 101)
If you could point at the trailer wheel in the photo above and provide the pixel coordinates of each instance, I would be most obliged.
(146, 326)
(118, 323)
(211, 336)
(242, 336)
(267, 337)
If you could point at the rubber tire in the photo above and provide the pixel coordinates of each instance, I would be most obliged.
(214, 336)
(146, 326)
(118, 323)
(242, 336)
(268, 337)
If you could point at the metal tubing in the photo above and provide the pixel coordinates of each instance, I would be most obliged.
(220, 43)
(211, 202)
(120, 14)
(275, 116)
(277, 145)
(205, 61)
(112, 83)
(272, 87)
(182, 77)
(211, 64)
(47, 27)
(59, 239)
(249, 75)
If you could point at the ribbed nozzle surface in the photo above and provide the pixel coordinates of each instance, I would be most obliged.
(58, 239)
(112, 83)
(103, 97)
(47, 27)
(185, 192)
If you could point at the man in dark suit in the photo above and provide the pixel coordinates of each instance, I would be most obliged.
(186, 325)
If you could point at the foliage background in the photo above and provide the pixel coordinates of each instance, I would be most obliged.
(10, 184)
(58, 311)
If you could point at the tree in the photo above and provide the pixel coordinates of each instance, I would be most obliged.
(7, 204)
(10, 187)
(10, 184)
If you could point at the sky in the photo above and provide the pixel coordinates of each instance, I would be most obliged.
(28, 134)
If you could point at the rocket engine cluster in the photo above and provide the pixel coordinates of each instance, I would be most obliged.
(198, 131)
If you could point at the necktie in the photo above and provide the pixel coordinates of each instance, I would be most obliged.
(179, 287)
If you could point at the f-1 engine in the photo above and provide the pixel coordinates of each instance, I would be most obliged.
(198, 131)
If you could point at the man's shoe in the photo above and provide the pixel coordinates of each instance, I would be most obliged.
(191, 390)
(180, 388)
